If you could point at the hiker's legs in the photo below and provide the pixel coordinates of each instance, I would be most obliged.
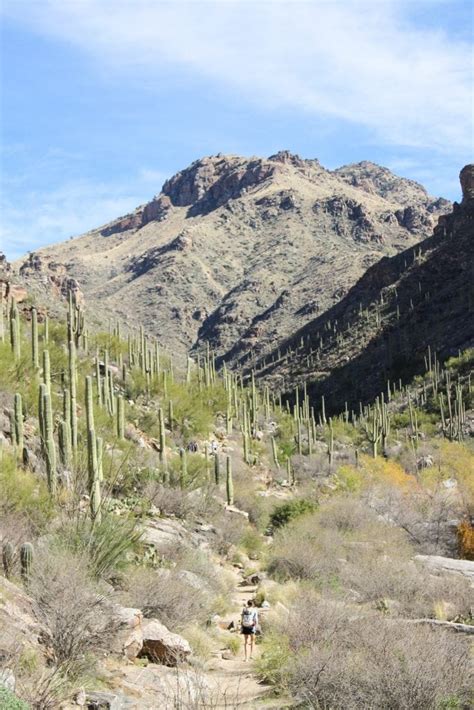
(246, 638)
(252, 639)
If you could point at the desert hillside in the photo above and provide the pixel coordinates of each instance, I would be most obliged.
(381, 330)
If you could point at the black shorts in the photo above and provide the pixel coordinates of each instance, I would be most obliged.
(247, 631)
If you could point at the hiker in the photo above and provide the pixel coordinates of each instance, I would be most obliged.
(249, 621)
(192, 446)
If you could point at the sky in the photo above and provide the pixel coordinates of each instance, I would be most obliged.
(102, 100)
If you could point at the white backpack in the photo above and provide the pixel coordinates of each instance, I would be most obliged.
(248, 618)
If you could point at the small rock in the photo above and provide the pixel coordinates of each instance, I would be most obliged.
(98, 700)
(80, 697)
(227, 655)
(7, 679)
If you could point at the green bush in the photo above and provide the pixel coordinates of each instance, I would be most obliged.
(8, 701)
(252, 543)
(107, 545)
(274, 659)
(23, 493)
(286, 512)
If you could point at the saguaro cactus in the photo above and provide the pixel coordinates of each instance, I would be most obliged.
(94, 478)
(18, 425)
(47, 370)
(183, 473)
(8, 557)
(229, 482)
(75, 319)
(89, 403)
(34, 339)
(26, 560)
(72, 376)
(47, 438)
(120, 418)
(275, 453)
(162, 437)
(15, 331)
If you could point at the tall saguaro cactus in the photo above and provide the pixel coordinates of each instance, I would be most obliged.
(26, 560)
(34, 339)
(15, 331)
(229, 484)
(18, 425)
(120, 418)
(47, 437)
(75, 319)
(94, 476)
(72, 376)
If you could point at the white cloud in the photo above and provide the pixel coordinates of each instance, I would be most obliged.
(356, 60)
(72, 209)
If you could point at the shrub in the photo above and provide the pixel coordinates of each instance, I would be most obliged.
(274, 659)
(466, 540)
(8, 701)
(183, 504)
(106, 546)
(257, 506)
(285, 512)
(77, 616)
(199, 641)
(252, 543)
(301, 551)
(346, 663)
(167, 595)
(230, 529)
(24, 494)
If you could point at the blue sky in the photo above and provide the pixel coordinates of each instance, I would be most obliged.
(101, 100)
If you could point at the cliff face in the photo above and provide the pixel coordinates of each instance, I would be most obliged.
(242, 252)
(382, 328)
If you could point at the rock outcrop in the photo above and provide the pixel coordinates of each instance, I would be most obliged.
(51, 274)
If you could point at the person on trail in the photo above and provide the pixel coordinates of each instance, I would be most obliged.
(248, 627)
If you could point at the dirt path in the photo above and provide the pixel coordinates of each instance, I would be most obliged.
(233, 681)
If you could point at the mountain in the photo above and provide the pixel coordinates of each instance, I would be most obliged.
(382, 328)
(241, 252)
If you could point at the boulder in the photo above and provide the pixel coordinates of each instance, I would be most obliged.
(129, 639)
(162, 532)
(162, 646)
(438, 564)
(99, 700)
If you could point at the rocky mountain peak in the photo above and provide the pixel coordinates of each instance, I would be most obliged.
(466, 177)
(378, 180)
(5, 267)
(210, 182)
(285, 156)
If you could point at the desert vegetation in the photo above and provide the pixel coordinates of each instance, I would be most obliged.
(137, 491)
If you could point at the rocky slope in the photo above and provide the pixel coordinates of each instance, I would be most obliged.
(242, 252)
(382, 328)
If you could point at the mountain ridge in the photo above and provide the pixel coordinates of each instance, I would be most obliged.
(237, 250)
